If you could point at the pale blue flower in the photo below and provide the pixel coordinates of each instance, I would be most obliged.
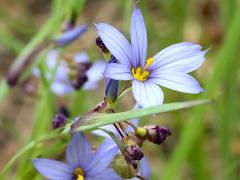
(62, 84)
(71, 35)
(82, 162)
(167, 68)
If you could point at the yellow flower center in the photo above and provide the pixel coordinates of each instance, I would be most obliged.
(142, 74)
(79, 174)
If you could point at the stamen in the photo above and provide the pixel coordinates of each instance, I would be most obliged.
(79, 174)
(80, 177)
(140, 74)
(148, 63)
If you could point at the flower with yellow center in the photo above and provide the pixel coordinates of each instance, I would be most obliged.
(168, 67)
(142, 74)
(82, 164)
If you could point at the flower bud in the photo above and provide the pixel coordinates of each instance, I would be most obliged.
(122, 168)
(157, 134)
(59, 120)
(111, 90)
(134, 152)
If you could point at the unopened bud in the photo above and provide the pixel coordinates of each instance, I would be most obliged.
(134, 151)
(59, 120)
(122, 168)
(157, 134)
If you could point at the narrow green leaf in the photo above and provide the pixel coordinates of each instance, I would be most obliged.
(3, 90)
(96, 120)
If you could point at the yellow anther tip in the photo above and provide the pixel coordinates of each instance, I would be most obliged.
(80, 177)
(150, 61)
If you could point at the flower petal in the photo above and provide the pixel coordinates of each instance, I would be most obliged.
(104, 134)
(176, 81)
(138, 38)
(144, 170)
(116, 43)
(94, 74)
(147, 93)
(118, 72)
(70, 36)
(61, 88)
(54, 170)
(81, 57)
(106, 174)
(79, 151)
(184, 57)
(102, 158)
(185, 62)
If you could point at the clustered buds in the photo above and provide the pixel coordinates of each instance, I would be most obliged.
(132, 151)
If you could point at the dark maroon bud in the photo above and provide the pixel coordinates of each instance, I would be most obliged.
(101, 45)
(157, 134)
(59, 120)
(134, 151)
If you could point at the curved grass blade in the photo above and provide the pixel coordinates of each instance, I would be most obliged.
(93, 121)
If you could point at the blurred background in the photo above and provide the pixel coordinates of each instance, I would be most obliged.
(205, 141)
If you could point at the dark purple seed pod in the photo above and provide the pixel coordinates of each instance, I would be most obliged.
(157, 134)
(59, 120)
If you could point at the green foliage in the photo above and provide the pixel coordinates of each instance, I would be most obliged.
(166, 24)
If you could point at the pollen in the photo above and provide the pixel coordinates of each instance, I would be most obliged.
(79, 174)
(149, 62)
(80, 177)
(140, 74)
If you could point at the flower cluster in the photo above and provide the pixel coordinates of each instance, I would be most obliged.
(120, 156)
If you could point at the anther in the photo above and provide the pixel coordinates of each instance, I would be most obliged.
(148, 63)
